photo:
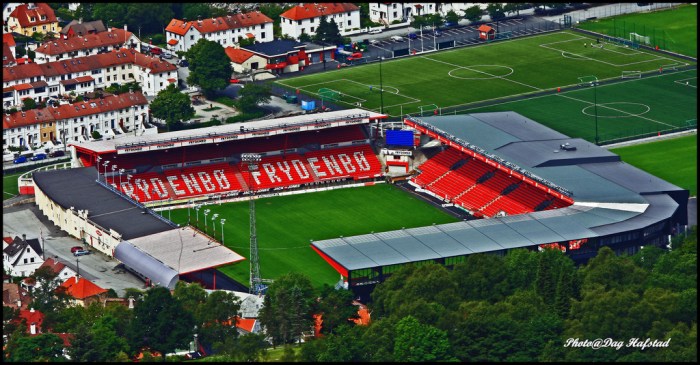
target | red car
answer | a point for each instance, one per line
(234, 81)
(75, 248)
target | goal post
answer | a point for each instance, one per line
(638, 38)
(430, 109)
(631, 74)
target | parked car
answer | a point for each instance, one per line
(156, 51)
(76, 248)
(20, 159)
(449, 24)
(57, 153)
(183, 63)
(81, 252)
(375, 31)
(373, 41)
(167, 55)
(38, 156)
(234, 81)
(397, 38)
(412, 35)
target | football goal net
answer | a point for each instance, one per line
(631, 74)
(638, 38)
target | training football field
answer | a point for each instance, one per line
(424, 82)
(287, 224)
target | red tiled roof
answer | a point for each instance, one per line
(246, 324)
(172, 42)
(250, 35)
(11, 293)
(8, 240)
(238, 55)
(9, 39)
(55, 265)
(114, 37)
(82, 288)
(306, 11)
(7, 57)
(67, 111)
(32, 317)
(484, 28)
(24, 15)
(178, 27)
(84, 79)
(222, 23)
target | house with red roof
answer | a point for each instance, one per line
(305, 18)
(83, 292)
(75, 122)
(34, 320)
(226, 30)
(88, 44)
(31, 18)
(8, 50)
(63, 272)
(14, 296)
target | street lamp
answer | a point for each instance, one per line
(121, 171)
(99, 158)
(105, 173)
(128, 178)
(214, 223)
(222, 231)
(381, 87)
(114, 168)
(196, 209)
(206, 212)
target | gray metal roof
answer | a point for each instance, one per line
(77, 188)
(611, 197)
(146, 265)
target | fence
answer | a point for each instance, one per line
(638, 133)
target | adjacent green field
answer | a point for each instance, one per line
(674, 160)
(636, 107)
(674, 29)
(10, 186)
(485, 72)
(286, 224)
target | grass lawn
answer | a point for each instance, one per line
(674, 160)
(286, 224)
(10, 186)
(465, 75)
(674, 30)
(632, 108)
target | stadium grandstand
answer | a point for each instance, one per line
(104, 199)
(535, 187)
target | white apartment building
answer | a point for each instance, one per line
(86, 45)
(226, 30)
(387, 13)
(305, 18)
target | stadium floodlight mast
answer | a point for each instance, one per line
(256, 285)
(213, 223)
(99, 158)
(223, 220)
(114, 168)
(121, 171)
(104, 175)
(196, 209)
(128, 178)
(206, 212)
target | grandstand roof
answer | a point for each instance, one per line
(77, 188)
(240, 130)
(610, 197)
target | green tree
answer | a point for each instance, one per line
(251, 347)
(28, 104)
(435, 20)
(495, 11)
(96, 135)
(193, 11)
(172, 106)
(305, 37)
(40, 348)
(273, 11)
(481, 276)
(452, 17)
(210, 68)
(288, 308)
(510, 8)
(48, 296)
(336, 307)
(160, 322)
(251, 96)
(217, 309)
(416, 342)
(473, 13)
(418, 22)
(99, 342)
(192, 296)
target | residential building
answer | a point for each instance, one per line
(226, 30)
(78, 28)
(109, 115)
(15, 296)
(63, 272)
(305, 18)
(85, 45)
(83, 292)
(389, 13)
(22, 256)
(279, 56)
(34, 320)
(84, 74)
(9, 54)
(31, 18)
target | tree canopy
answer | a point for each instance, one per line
(288, 306)
(251, 96)
(210, 68)
(172, 106)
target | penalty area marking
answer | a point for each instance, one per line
(487, 76)
(606, 106)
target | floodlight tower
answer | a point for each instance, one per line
(256, 286)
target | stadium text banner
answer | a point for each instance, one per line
(396, 152)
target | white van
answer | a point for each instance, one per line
(397, 38)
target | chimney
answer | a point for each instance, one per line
(19, 303)
(131, 302)
(31, 310)
(24, 237)
(80, 21)
(131, 90)
(125, 29)
(32, 329)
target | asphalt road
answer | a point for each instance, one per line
(96, 267)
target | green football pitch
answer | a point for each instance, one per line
(419, 83)
(674, 160)
(287, 224)
(675, 29)
(10, 186)
(628, 109)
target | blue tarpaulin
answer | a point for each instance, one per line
(308, 105)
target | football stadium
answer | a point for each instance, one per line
(500, 181)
